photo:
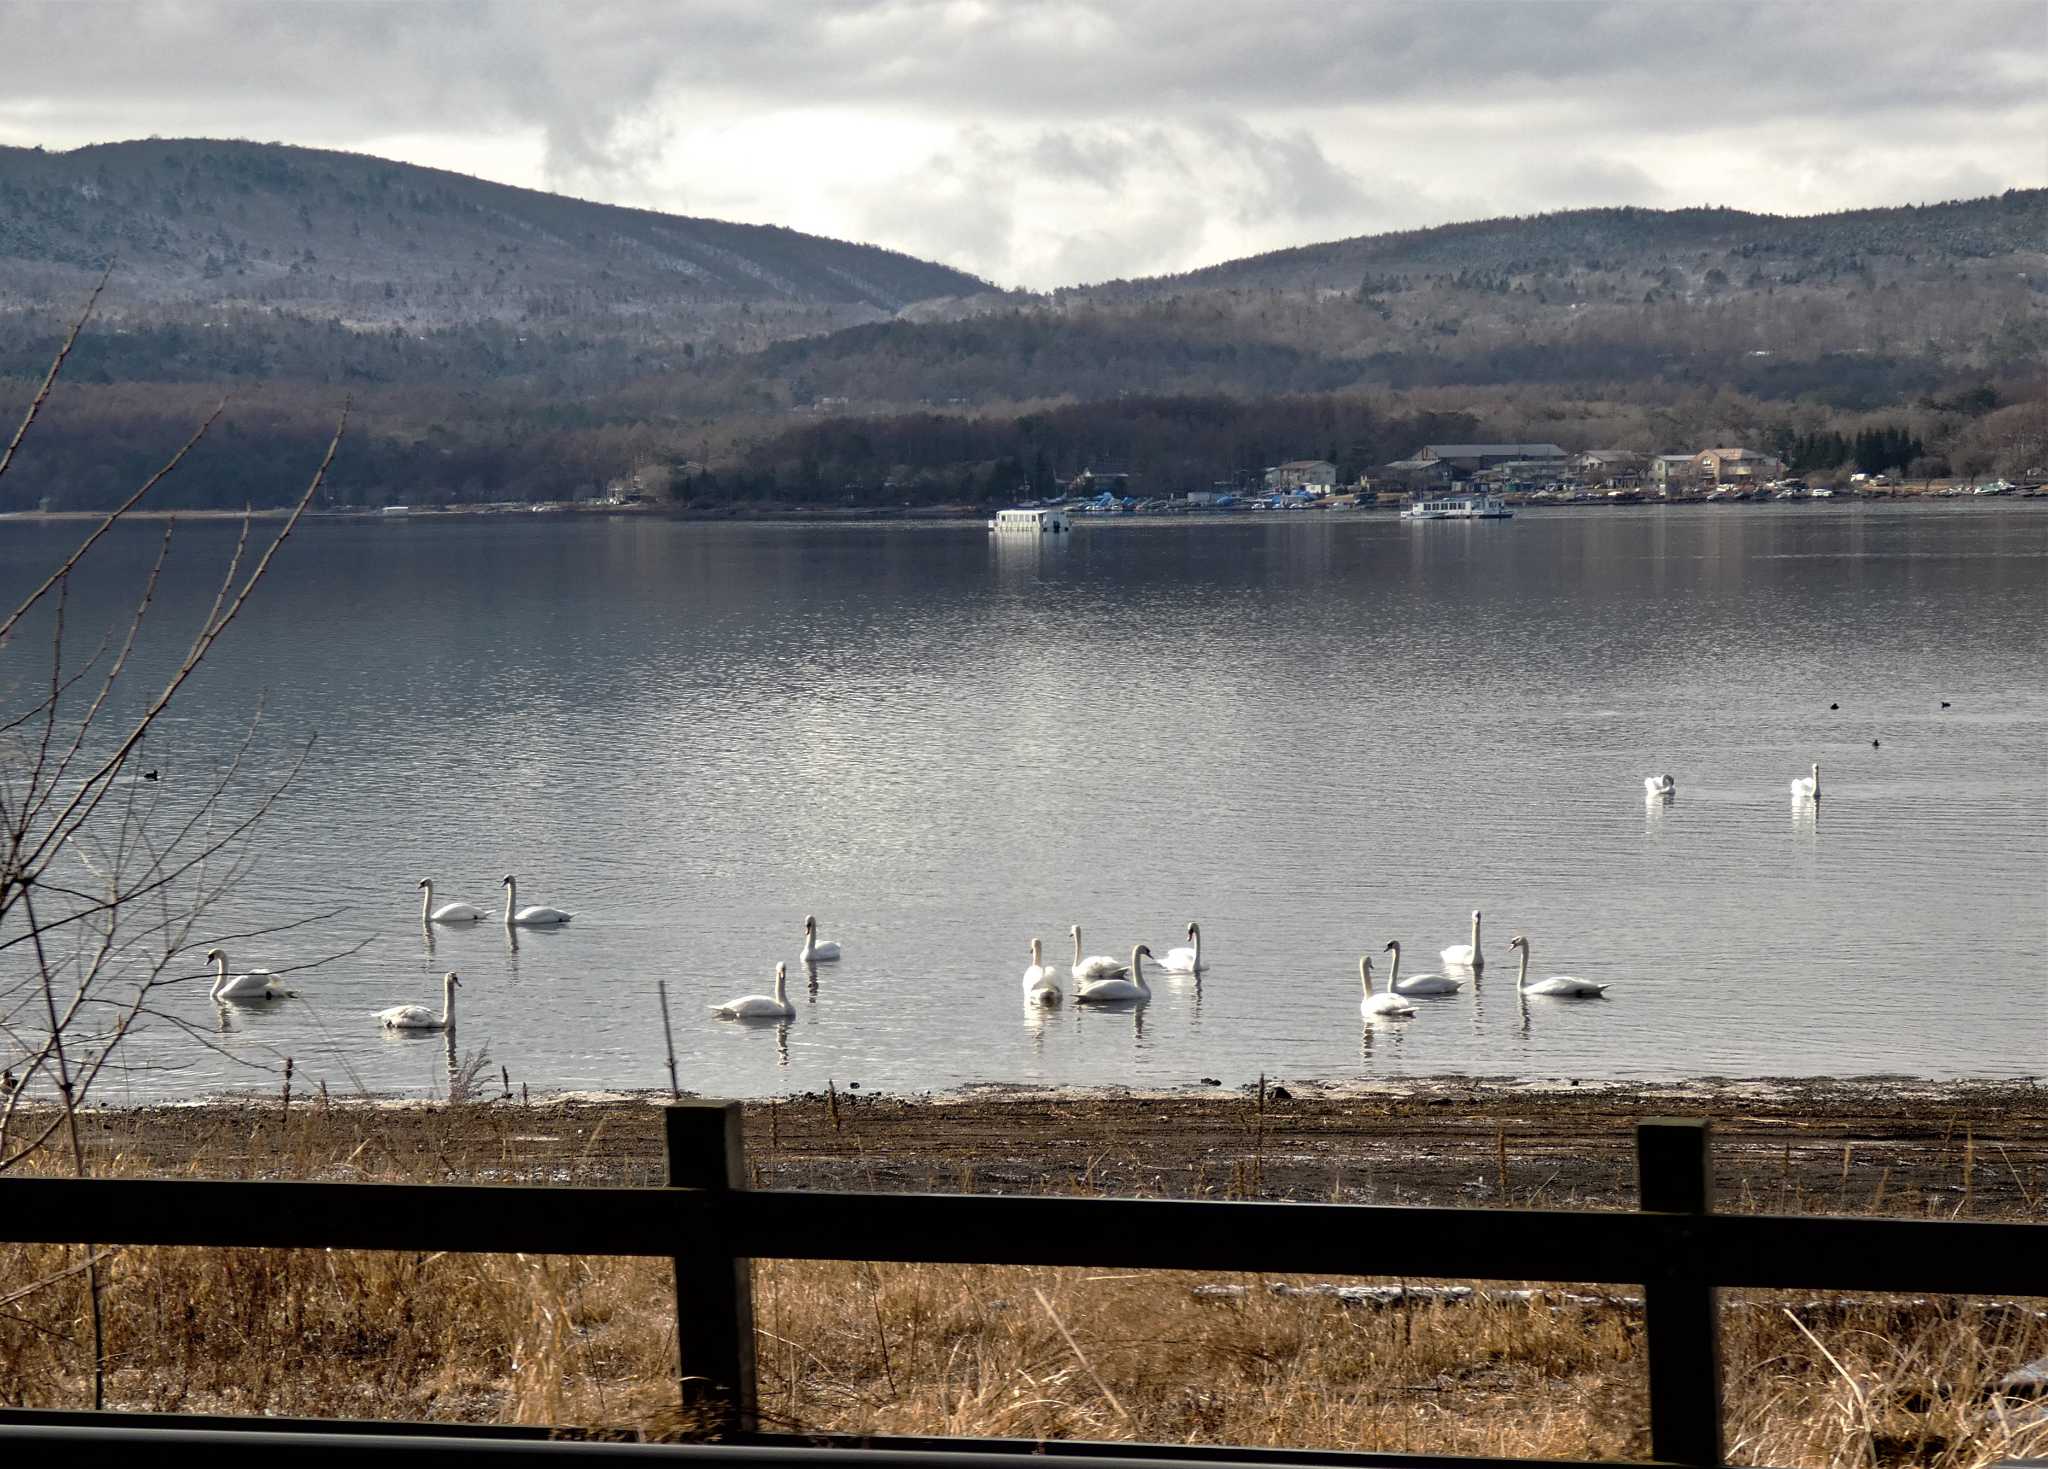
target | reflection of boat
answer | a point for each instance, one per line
(1459, 507)
(1031, 522)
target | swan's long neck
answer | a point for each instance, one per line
(1365, 976)
(1037, 954)
(1138, 969)
(1522, 977)
(1077, 946)
(220, 976)
(1195, 933)
(448, 1001)
(781, 986)
(1475, 935)
(1816, 780)
(1394, 973)
(426, 900)
(511, 899)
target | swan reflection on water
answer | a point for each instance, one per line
(1380, 1032)
(1084, 1015)
(778, 1025)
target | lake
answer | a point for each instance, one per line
(1313, 733)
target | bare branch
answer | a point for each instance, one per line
(50, 378)
(112, 518)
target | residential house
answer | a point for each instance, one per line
(1302, 474)
(1417, 473)
(1608, 466)
(1673, 471)
(1735, 466)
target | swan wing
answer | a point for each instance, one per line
(1099, 966)
(1569, 986)
(1459, 955)
(538, 915)
(408, 1017)
(458, 913)
(1178, 961)
(1109, 989)
(753, 1005)
(1428, 984)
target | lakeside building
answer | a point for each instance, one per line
(1735, 466)
(1673, 471)
(1436, 465)
(1096, 481)
(1302, 474)
(1609, 466)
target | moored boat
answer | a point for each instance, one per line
(1459, 507)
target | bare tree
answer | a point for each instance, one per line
(106, 873)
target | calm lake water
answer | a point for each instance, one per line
(1312, 733)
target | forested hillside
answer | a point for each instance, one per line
(501, 343)
(227, 236)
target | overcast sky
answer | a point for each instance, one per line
(1051, 143)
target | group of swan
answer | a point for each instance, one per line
(777, 1006)
(1663, 787)
(419, 1017)
(1100, 979)
(535, 916)
(1394, 999)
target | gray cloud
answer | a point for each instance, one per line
(1289, 115)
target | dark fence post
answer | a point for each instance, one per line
(1681, 1320)
(714, 1284)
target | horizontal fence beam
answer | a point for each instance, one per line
(132, 1446)
(1593, 1247)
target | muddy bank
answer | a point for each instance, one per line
(1897, 1146)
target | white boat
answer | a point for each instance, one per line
(1459, 507)
(1030, 522)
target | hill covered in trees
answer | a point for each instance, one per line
(245, 238)
(501, 343)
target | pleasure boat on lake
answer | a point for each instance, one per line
(1031, 522)
(1459, 507)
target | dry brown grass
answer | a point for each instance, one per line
(935, 1349)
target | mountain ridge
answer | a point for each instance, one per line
(203, 222)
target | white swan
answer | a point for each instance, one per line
(761, 1007)
(1041, 980)
(1101, 966)
(1101, 991)
(1188, 958)
(447, 912)
(813, 951)
(1659, 787)
(419, 1017)
(1419, 984)
(1807, 787)
(257, 984)
(1385, 1003)
(1466, 956)
(534, 917)
(1564, 986)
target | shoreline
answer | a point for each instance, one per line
(947, 514)
(1858, 1145)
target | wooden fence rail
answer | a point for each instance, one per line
(1676, 1248)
